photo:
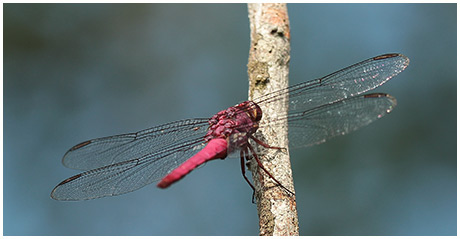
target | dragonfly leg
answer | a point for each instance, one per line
(243, 155)
(265, 145)
(266, 171)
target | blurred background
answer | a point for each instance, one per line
(74, 72)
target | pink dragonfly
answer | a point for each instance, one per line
(318, 109)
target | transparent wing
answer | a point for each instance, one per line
(130, 174)
(350, 81)
(105, 151)
(316, 125)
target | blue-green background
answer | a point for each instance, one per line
(76, 72)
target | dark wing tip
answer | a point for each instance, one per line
(390, 98)
(80, 145)
(376, 95)
(76, 147)
(392, 55)
(53, 193)
(385, 56)
(69, 179)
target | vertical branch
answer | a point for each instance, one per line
(268, 70)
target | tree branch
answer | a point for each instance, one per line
(268, 70)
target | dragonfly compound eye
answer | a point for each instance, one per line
(254, 111)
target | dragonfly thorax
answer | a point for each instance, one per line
(239, 122)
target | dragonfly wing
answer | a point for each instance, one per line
(126, 176)
(105, 151)
(348, 82)
(316, 125)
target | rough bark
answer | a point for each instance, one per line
(268, 70)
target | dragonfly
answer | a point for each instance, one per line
(319, 109)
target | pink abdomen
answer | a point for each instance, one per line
(215, 149)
